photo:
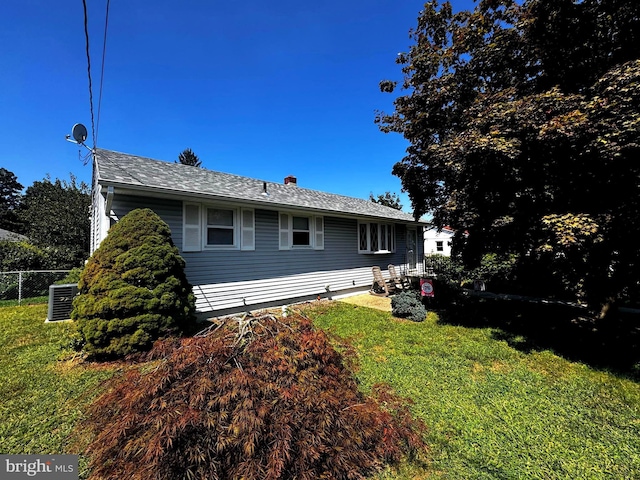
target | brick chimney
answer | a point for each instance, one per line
(291, 180)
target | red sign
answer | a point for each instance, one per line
(426, 287)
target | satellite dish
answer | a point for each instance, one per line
(79, 133)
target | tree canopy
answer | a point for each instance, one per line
(523, 122)
(187, 157)
(387, 199)
(56, 215)
(10, 194)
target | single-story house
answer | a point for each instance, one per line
(251, 243)
(438, 241)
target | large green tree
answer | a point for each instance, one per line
(523, 122)
(10, 194)
(56, 217)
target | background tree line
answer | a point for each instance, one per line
(53, 215)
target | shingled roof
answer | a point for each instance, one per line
(140, 173)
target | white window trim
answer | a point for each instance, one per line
(285, 232)
(382, 229)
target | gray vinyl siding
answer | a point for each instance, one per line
(169, 210)
(267, 261)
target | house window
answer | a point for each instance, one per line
(376, 237)
(363, 238)
(298, 231)
(439, 246)
(220, 227)
(214, 227)
(301, 233)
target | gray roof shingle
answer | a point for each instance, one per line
(121, 169)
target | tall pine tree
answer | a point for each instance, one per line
(187, 157)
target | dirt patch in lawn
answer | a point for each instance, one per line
(368, 300)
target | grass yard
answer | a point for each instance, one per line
(495, 412)
(41, 395)
(25, 301)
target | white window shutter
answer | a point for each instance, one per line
(285, 242)
(191, 229)
(319, 233)
(248, 232)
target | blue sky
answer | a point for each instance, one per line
(262, 89)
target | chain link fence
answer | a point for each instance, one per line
(26, 285)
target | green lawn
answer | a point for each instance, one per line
(42, 394)
(25, 301)
(492, 411)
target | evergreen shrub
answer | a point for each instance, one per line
(408, 305)
(133, 290)
(261, 399)
(72, 277)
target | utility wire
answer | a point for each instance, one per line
(86, 36)
(104, 51)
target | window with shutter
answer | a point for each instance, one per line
(217, 227)
(298, 231)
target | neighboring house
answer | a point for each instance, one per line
(438, 242)
(250, 243)
(11, 236)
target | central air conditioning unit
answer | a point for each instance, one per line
(60, 300)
